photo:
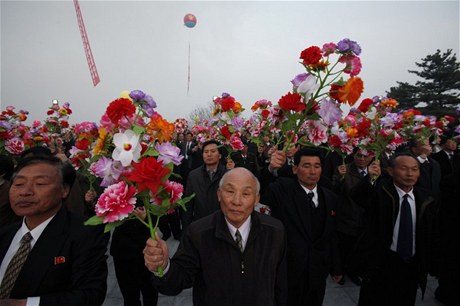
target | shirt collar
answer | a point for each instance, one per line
(314, 190)
(243, 229)
(401, 193)
(421, 159)
(37, 231)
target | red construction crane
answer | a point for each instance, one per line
(84, 37)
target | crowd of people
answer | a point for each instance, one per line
(266, 226)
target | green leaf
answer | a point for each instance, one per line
(112, 225)
(94, 220)
(138, 130)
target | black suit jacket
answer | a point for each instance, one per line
(447, 166)
(80, 280)
(310, 260)
(209, 259)
(430, 177)
(381, 204)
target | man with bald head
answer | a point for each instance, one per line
(395, 252)
(235, 256)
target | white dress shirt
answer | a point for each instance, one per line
(411, 200)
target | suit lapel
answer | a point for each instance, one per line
(42, 255)
(7, 237)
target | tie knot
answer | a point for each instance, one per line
(310, 195)
(363, 173)
(26, 238)
(211, 174)
(239, 240)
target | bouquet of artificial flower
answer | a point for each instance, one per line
(322, 82)
(135, 159)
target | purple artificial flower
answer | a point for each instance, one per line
(5, 124)
(225, 95)
(389, 120)
(149, 105)
(237, 122)
(169, 153)
(108, 170)
(299, 79)
(347, 45)
(137, 95)
(329, 111)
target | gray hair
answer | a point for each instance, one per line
(221, 182)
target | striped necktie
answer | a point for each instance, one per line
(15, 266)
(239, 240)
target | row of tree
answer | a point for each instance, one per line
(438, 91)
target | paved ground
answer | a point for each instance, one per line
(336, 295)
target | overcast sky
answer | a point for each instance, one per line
(249, 49)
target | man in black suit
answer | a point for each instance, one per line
(246, 159)
(395, 251)
(448, 158)
(307, 211)
(430, 171)
(66, 264)
(449, 161)
(349, 214)
(204, 182)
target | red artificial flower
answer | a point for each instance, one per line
(120, 108)
(334, 92)
(226, 131)
(449, 118)
(227, 103)
(439, 124)
(365, 104)
(334, 141)
(64, 124)
(291, 101)
(50, 112)
(427, 122)
(311, 55)
(82, 144)
(265, 113)
(148, 174)
(364, 127)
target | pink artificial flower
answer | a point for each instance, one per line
(329, 48)
(236, 143)
(352, 64)
(14, 146)
(117, 202)
(317, 133)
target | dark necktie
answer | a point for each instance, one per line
(15, 266)
(405, 235)
(211, 174)
(239, 240)
(363, 173)
(310, 199)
